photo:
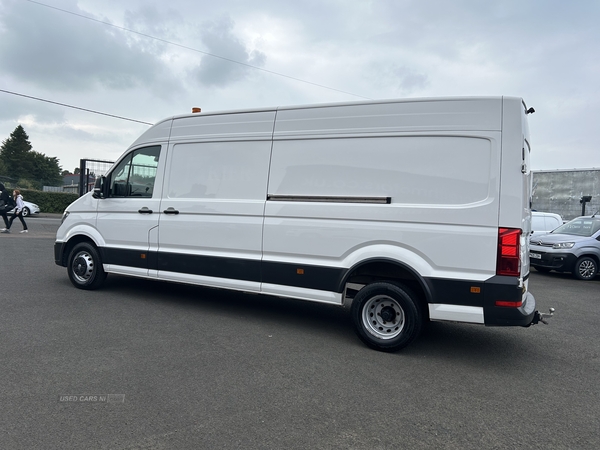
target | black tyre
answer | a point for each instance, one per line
(386, 316)
(85, 267)
(585, 268)
(542, 269)
(25, 211)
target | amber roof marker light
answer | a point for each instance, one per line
(195, 110)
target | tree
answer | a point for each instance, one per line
(21, 162)
(14, 153)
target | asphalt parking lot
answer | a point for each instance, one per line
(147, 365)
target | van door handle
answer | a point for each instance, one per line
(145, 210)
(171, 210)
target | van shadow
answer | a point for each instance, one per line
(331, 320)
(471, 344)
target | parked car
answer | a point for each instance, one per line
(573, 247)
(29, 209)
(543, 222)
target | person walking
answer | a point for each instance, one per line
(18, 212)
(5, 202)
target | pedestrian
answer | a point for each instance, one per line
(18, 212)
(5, 202)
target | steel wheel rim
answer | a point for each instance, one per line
(82, 267)
(587, 269)
(383, 317)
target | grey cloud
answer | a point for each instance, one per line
(63, 52)
(219, 39)
(14, 106)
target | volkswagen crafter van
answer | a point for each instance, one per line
(420, 207)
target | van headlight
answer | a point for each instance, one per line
(563, 245)
(65, 215)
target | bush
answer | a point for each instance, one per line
(49, 202)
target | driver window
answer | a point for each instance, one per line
(135, 174)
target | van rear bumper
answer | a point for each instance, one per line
(483, 296)
(506, 289)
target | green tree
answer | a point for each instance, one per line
(14, 153)
(20, 161)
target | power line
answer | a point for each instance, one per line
(196, 50)
(74, 107)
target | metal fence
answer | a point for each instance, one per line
(89, 169)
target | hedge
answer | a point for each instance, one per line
(49, 202)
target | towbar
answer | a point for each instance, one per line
(541, 317)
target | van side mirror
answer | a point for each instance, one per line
(99, 187)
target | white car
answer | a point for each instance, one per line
(29, 209)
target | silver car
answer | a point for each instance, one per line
(573, 247)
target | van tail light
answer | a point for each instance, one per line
(509, 304)
(509, 252)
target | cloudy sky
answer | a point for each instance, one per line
(146, 60)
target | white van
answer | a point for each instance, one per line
(543, 222)
(422, 205)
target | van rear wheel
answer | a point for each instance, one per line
(85, 267)
(386, 316)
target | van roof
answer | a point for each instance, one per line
(340, 104)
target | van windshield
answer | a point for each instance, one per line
(583, 226)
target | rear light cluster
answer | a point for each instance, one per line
(509, 259)
(509, 252)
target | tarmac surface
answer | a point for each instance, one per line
(150, 365)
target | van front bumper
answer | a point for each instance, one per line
(59, 251)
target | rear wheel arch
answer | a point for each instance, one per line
(395, 272)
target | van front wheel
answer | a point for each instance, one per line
(386, 316)
(85, 267)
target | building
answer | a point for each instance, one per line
(560, 191)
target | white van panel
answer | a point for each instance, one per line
(254, 125)
(157, 134)
(218, 190)
(391, 117)
(398, 167)
(221, 171)
(432, 250)
(442, 215)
